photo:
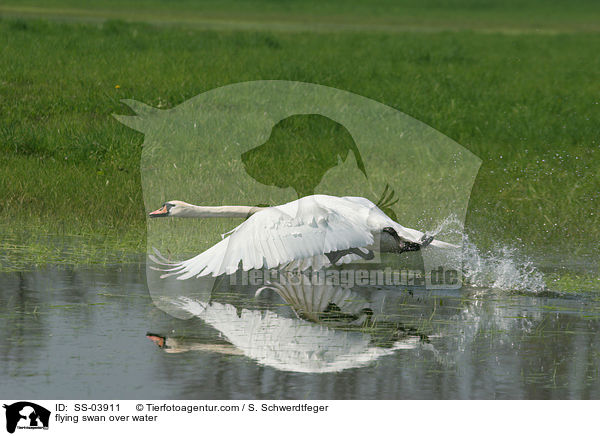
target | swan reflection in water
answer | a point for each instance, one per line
(325, 328)
(330, 329)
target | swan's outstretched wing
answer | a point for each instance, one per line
(300, 232)
(312, 302)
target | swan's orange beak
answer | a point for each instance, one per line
(163, 211)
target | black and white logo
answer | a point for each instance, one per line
(26, 415)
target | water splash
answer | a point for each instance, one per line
(501, 268)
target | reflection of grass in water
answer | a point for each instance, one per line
(520, 102)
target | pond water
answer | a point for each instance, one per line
(94, 332)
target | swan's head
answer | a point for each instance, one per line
(171, 208)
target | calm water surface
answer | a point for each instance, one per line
(82, 333)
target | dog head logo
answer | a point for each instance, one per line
(26, 415)
(248, 143)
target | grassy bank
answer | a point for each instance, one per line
(511, 16)
(527, 104)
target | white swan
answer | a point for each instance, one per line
(283, 343)
(314, 231)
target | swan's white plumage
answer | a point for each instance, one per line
(310, 301)
(297, 234)
(291, 344)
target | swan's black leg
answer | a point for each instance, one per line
(334, 256)
(394, 234)
(366, 256)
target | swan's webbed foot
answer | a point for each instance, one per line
(426, 240)
(404, 245)
(409, 246)
(416, 246)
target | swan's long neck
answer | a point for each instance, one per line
(193, 211)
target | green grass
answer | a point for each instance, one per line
(527, 104)
(570, 283)
(337, 15)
